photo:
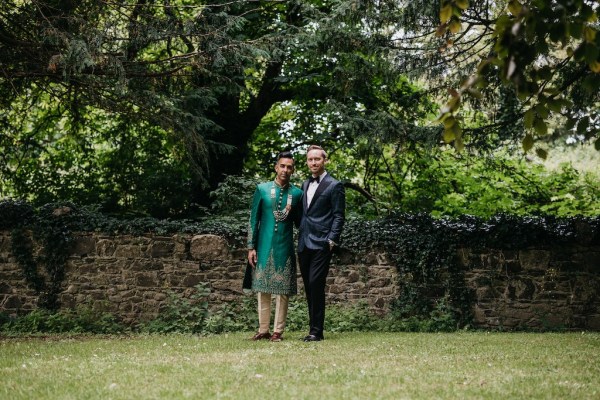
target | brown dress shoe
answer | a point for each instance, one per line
(277, 337)
(261, 336)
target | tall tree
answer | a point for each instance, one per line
(207, 74)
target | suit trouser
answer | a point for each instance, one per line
(264, 312)
(314, 267)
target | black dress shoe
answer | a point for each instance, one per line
(313, 338)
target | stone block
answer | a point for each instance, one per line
(84, 246)
(484, 293)
(353, 276)
(105, 248)
(520, 289)
(146, 280)
(379, 302)
(192, 280)
(534, 259)
(128, 251)
(378, 282)
(593, 322)
(336, 289)
(239, 254)
(162, 249)
(209, 248)
(5, 288)
(233, 286)
(12, 303)
(387, 291)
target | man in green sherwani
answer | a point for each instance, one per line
(276, 206)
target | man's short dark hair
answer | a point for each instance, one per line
(285, 154)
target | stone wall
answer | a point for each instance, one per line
(552, 287)
(132, 276)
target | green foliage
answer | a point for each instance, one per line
(443, 184)
(186, 315)
(233, 196)
(72, 218)
(100, 159)
(548, 51)
(84, 319)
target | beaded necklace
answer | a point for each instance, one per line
(280, 214)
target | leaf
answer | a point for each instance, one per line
(576, 30)
(462, 4)
(528, 118)
(597, 144)
(591, 53)
(583, 125)
(557, 32)
(514, 7)
(541, 153)
(448, 122)
(456, 129)
(595, 67)
(589, 34)
(459, 145)
(554, 105)
(446, 13)
(541, 110)
(448, 135)
(544, 73)
(591, 84)
(587, 13)
(439, 32)
(527, 143)
(453, 103)
(540, 126)
(455, 26)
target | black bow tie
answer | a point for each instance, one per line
(312, 179)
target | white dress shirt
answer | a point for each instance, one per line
(312, 188)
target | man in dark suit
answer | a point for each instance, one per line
(323, 215)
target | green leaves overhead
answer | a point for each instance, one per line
(546, 50)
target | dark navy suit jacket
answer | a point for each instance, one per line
(324, 219)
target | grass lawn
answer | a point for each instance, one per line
(344, 366)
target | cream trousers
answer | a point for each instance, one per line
(264, 312)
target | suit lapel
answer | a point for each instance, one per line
(320, 189)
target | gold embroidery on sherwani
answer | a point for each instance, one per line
(275, 279)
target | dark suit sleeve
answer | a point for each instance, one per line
(338, 209)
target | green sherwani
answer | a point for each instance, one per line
(273, 240)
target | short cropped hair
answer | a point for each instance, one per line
(315, 147)
(285, 154)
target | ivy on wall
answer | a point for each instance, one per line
(423, 248)
(48, 229)
(425, 251)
